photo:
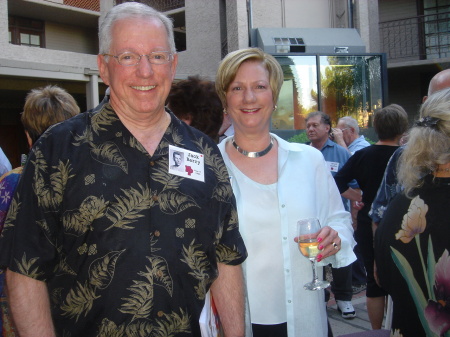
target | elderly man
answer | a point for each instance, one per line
(102, 239)
(346, 134)
(318, 128)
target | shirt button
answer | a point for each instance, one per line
(152, 163)
(289, 301)
(283, 205)
(155, 198)
(284, 238)
(157, 233)
(287, 270)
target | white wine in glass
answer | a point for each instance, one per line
(307, 232)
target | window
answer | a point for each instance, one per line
(26, 32)
(437, 27)
(350, 85)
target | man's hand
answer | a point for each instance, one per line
(338, 137)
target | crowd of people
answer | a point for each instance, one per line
(128, 218)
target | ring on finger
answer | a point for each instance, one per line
(335, 245)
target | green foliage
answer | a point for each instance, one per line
(299, 138)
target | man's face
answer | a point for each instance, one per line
(316, 130)
(142, 88)
(177, 159)
(346, 132)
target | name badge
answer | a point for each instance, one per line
(334, 166)
(187, 164)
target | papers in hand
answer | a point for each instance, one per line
(209, 319)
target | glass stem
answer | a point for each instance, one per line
(313, 264)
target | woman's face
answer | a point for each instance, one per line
(249, 97)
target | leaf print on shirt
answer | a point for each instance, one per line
(86, 137)
(79, 300)
(105, 117)
(12, 214)
(140, 303)
(77, 222)
(128, 207)
(50, 195)
(174, 202)
(168, 326)
(197, 260)
(101, 270)
(109, 153)
(227, 255)
(414, 221)
(25, 267)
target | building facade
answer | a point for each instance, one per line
(55, 42)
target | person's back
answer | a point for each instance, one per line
(412, 240)
(367, 167)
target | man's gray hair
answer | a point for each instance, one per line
(350, 122)
(129, 10)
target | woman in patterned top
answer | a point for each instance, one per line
(412, 241)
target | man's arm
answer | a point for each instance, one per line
(30, 305)
(228, 294)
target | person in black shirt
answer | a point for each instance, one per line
(367, 167)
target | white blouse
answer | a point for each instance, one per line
(264, 267)
(305, 189)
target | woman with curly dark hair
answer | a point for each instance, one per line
(196, 102)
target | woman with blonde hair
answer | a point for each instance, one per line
(277, 183)
(412, 241)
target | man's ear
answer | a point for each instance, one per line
(103, 69)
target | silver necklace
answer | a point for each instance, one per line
(253, 154)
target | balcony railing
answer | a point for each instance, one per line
(93, 5)
(160, 5)
(416, 38)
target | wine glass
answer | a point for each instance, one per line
(307, 232)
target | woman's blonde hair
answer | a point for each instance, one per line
(45, 107)
(429, 142)
(230, 66)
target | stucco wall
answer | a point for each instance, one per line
(69, 38)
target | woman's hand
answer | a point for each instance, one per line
(329, 242)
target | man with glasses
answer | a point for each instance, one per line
(102, 240)
(346, 134)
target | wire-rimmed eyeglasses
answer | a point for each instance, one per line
(132, 59)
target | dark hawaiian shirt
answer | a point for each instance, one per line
(126, 248)
(412, 245)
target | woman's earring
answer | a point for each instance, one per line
(275, 107)
(225, 111)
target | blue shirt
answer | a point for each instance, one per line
(358, 144)
(388, 189)
(336, 156)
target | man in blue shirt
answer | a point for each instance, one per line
(346, 134)
(318, 128)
